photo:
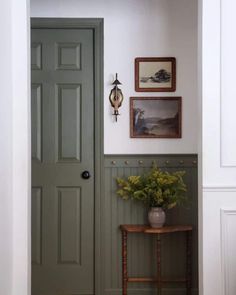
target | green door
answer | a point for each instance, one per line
(62, 108)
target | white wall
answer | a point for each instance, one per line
(21, 148)
(15, 149)
(218, 147)
(137, 28)
(6, 151)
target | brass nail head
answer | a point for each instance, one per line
(113, 162)
(126, 162)
(140, 162)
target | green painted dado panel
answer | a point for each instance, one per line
(141, 248)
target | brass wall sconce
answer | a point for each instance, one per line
(116, 97)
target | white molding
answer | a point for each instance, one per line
(228, 211)
(219, 188)
(224, 247)
(221, 94)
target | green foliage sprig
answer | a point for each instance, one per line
(155, 189)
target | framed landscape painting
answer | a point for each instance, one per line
(155, 74)
(155, 117)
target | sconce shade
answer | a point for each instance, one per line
(116, 98)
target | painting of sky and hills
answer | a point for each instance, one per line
(156, 117)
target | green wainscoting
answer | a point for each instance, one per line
(141, 255)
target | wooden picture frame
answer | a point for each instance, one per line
(155, 74)
(155, 117)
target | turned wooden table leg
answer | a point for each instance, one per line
(124, 263)
(189, 262)
(159, 264)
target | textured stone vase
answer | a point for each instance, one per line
(156, 217)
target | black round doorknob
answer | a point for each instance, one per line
(85, 174)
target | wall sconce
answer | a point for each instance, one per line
(116, 97)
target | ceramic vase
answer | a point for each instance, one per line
(156, 217)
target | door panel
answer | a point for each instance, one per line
(36, 123)
(69, 127)
(62, 147)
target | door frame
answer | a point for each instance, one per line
(96, 24)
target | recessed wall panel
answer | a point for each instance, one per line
(36, 213)
(69, 225)
(228, 244)
(36, 56)
(36, 121)
(69, 125)
(68, 56)
(228, 82)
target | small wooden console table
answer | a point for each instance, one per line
(126, 228)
